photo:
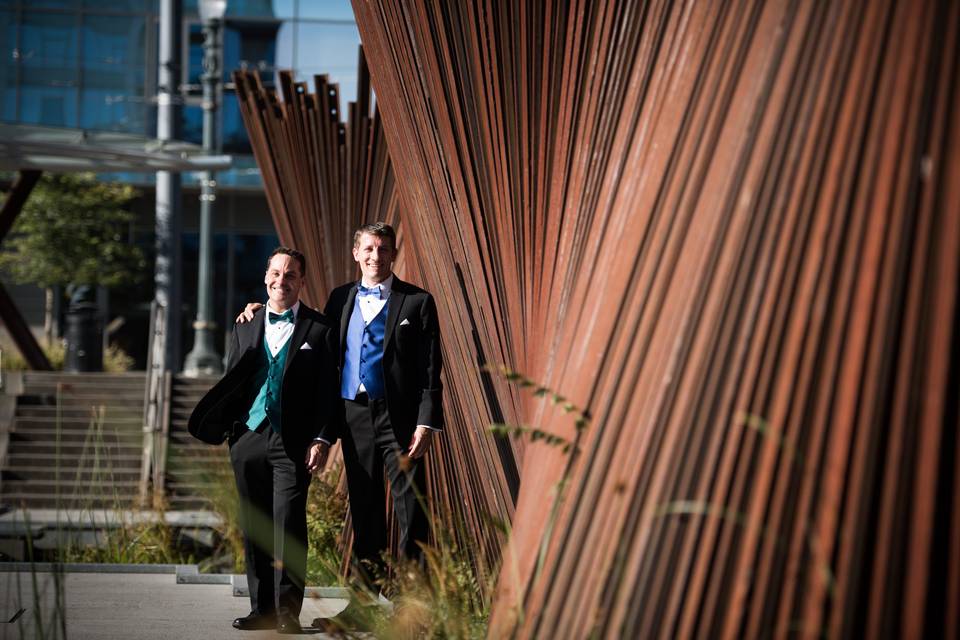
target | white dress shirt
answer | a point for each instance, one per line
(371, 306)
(277, 333)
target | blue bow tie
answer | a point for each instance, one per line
(286, 316)
(368, 291)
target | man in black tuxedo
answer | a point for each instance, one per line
(278, 405)
(390, 382)
(389, 356)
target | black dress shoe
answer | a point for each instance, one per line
(288, 624)
(255, 621)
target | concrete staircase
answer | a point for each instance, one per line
(75, 441)
(197, 473)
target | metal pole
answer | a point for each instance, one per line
(167, 272)
(203, 358)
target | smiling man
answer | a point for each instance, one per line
(279, 407)
(390, 383)
(389, 356)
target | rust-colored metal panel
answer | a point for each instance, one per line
(730, 231)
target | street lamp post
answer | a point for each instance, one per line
(203, 358)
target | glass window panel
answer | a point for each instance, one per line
(248, 279)
(113, 73)
(48, 40)
(250, 45)
(234, 134)
(260, 9)
(118, 5)
(48, 105)
(48, 76)
(321, 49)
(325, 9)
(8, 104)
(105, 109)
(192, 130)
(113, 41)
(8, 66)
(283, 8)
(54, 4)
(284, 45)
(195, 55)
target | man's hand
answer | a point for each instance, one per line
(247, 314)
(317, 456)
(422, 438)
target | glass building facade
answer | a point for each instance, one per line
(92, 64)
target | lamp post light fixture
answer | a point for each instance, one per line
(203, 358)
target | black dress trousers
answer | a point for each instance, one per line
(273, 516)
(370, 447)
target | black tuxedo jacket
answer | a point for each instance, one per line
(310, 401)
(411, 354)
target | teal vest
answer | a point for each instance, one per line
(269, 381)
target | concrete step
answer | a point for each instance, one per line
(26, 424)
(192, 467)
(83, 391)
(92, 487)
(79, 401)
(26, 472)
(49, 378)
(70, 500)
(67, 456)
(52, 411)
(43, 431)
(97, 392)
(101, 441)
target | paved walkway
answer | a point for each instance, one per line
(128, 605)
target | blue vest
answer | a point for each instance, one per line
(363, 360)
(269, 381)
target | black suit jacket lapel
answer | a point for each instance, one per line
(300, 329)
(394, 304)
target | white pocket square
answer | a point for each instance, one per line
(404, 323)
(305, 345)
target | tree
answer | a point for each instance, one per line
(73, 230)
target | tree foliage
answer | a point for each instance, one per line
(74, 230)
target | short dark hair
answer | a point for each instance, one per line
(379, 229)
(293, 253)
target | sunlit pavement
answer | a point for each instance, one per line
(104, 604)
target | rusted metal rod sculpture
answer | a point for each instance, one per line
(731, 232)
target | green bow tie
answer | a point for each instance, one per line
(286, 316)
